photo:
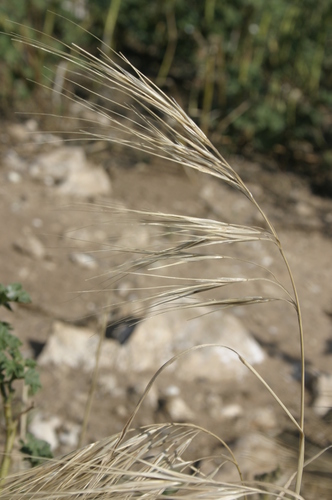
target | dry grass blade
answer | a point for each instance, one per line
(189, 240)
(185, 243)
(154, 455)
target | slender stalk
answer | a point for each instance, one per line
(171, 43)
(209, 11)
(94, 380)
(110, 23)
(24, 414)
(302, 354)
(11, 428)
(209, 75)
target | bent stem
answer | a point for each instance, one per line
(126, 427)
(300, 464)
(94, 380)
(296, 303)
(233, 460)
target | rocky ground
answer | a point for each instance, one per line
(62, 251)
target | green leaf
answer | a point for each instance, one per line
(5, 327)
(14, 369)
(8, 341)
(13, 293)
(13, 366)
(37, 449)
(32, 380)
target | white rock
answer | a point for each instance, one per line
(304, 209)
(160, 337)
(151, 399)
(13, 161)
(19, 132)
(149, 347)
(57, 164)
(179, 410)
(256, 454)
(46, 429)
(172, 390)
(323, 391)
(84, 260)
(216, 363)
(263, 418)
(30, 245)
(232, 411)
(50, 139)
(14, 177)
(124, 289)
(155, 341)
(81, 110)
(69, 169)
(213, 403)
(31, 125)
(70, 346)
(86, 182)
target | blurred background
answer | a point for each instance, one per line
(255, 75)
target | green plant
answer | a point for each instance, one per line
(110, 22)
(13, 367)
(36, 450)
(19, 17)
(268, 60)
(154, 123)
(273, 55)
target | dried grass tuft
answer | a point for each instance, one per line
(151, 464)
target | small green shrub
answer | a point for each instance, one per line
(22, 18)
(256, 73)
(14, 367)
(35, 449)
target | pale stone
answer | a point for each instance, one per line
(70, 346)
(68, 169)
(323, 394)
(84, 260)
(86, 182)
(46, 429)
(29, 244)
(179, 410)
(157, 339)
(231, 411)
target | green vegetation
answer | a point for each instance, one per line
(257, 74)
(17, 80)
(14, 367)
(36, 450)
